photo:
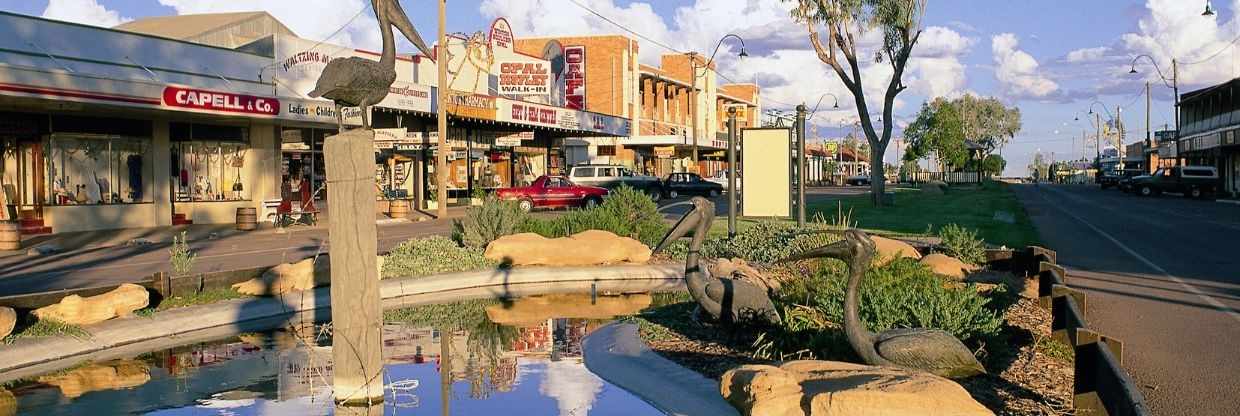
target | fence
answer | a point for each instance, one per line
(1100, 384)
(948, 177)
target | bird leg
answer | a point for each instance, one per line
(363, 106)
(339, 118)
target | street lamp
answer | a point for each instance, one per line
(1172, 83)
(1208, 11)
(693, 70)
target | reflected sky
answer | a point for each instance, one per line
(532, 369)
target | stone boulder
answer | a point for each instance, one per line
(820, 388)
(934, 188)
(587, 248)
(538, 309)
(8, 403)
(115, 375)
(76, 310)
(947, 266)
(8, 320)
(738, 269)
(288, 277)
(889, 250)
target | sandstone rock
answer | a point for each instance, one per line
(947, 265)
(934, 187)
(8, 403)
(538, 309)
(76, 310)
(8, 320)
(588, 248)
(738, 269)
(1027, 287)
(843, 389)
(890, 250)
(115, 375)
(303, 275)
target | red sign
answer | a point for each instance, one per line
(220, 101)
(575, 77)
(538, 115)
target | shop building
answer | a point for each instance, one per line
(1209, 126)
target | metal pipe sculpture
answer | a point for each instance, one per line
(725, 300)
(360, 82)
(931, 350)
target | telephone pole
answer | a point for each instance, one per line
(441, 154)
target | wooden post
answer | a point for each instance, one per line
(441, 155)
(357, 314)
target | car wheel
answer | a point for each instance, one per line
(656, 194)
(1195, 193)
(712, 193)
(593, 202)
(673, 194)
(526, 205)
(1147, 191)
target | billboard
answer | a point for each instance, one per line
(575, 77)
(767, 191)
(524, 78)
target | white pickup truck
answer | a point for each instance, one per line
(612, 176)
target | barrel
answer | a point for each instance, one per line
(398, 208)
(10, 236)
(247, 219)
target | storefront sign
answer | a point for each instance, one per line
(391, 135)
(318, 111)
(524, 78)
(501, 34)
(521, 112)
(466, 104)
(575, 77)
(665, 152)
(197, 99)
(514, 139)
(408, 97)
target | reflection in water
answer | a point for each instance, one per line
(477, 365)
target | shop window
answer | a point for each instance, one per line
(208, 162)
(92, 169)
(607, 150)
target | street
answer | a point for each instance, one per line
(1161, 276)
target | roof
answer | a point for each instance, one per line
(191, 25)
(1197, 94)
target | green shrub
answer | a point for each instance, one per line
(483, 224)
(431, 255)
(769, 241)
(962, 243)
(180, 256)
(625, 212)
(903, 294)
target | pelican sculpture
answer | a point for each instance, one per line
(725, 300)
(930, 350)
(360, 82)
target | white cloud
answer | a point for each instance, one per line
(83, 11)
(1017, 71)
(1088, 54)
(1176, 29)
(308, 18)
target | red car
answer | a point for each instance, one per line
(553, 192)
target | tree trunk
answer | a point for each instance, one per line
(878, 174)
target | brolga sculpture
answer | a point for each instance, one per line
(725, 300)
(360, 82)
(930, 350)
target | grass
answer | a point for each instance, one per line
(1055, 349)
(46, 328)
(200, 298)
(915, 213)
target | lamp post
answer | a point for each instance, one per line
(1098, 138)
(801, 111)
(693, 107)
(1172, 82)
(731, 172)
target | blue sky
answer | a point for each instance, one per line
(1051, 58)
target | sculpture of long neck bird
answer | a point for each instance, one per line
(360, 82)
(931, 350)
(725, 300)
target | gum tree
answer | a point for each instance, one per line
(845, 22)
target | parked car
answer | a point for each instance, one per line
(858, 180)
(612, 176)
(721, 178)
(553, 192)
(1112, 179)
(1192, 181)
(678, 184)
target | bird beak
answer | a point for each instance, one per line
(837, 250)
(682, 228)
(396, 16)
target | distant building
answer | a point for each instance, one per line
(225, 30)
(1209, 126)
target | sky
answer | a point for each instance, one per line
(1053, 59)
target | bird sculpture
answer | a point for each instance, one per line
(930, 350)
(361, 82)
(724, 300)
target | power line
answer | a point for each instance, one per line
(1216, 54)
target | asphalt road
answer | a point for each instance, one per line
(1163, 276)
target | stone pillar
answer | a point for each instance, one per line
(357, 313)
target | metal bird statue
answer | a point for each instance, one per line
(360, 82)
(930, 350)
(725, 300)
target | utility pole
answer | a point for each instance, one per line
(731, 172)
(801, 111)
(693, 107)
(1098, 146)
(1119, 140)
(441, 155)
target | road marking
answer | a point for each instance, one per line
(1213, 302)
